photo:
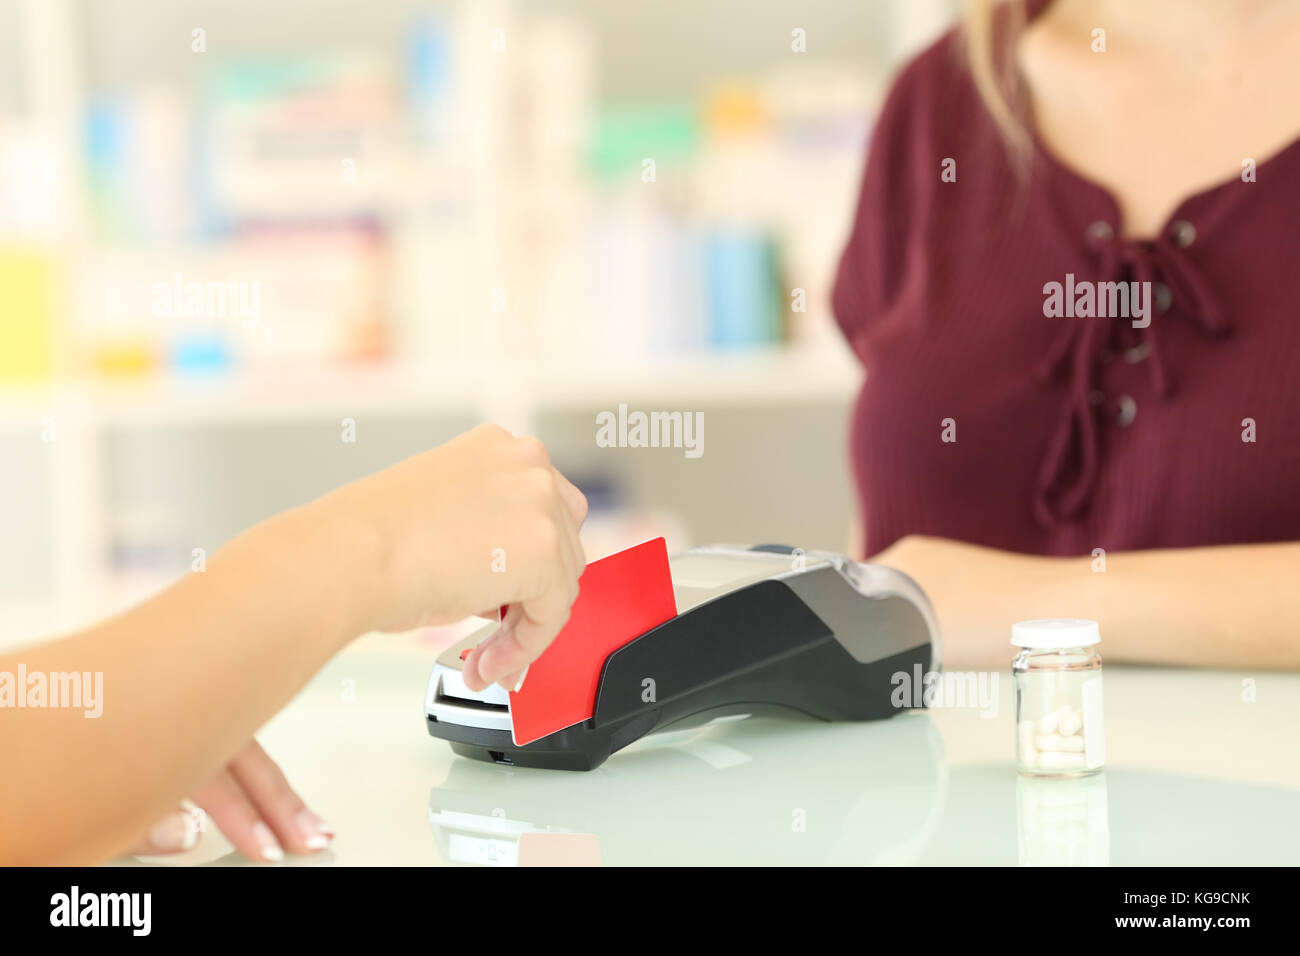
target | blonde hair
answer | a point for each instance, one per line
(990, 32)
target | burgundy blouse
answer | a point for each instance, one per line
(1070, 433)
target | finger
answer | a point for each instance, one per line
(505, 656)
(174, 833)
(570, 550)
(568, 544)
(574, 499)
(531, 624)
(515, 648)
(470, 670)
(514, 681)
(229, 807)
(575, 504)
(298, 829)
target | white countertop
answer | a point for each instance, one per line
(1195, 775)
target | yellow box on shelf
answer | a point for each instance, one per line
(26, 314)
(123, 360)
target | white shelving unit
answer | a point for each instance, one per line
(516, 393)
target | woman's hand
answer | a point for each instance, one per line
(1152, 606)
(480, 522)
(978, 593)
(252, 803)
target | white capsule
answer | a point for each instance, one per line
(1049, 722)
(1070, 723)
(1055, 760)
(1059, 743)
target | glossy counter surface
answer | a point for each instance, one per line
(1198, 772)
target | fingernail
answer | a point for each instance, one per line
(313, 830)
(267, 844)
(520, 684)
(174, 832)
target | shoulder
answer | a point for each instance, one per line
(931, 98)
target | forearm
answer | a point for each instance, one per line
(188, 677)
(1226, 606)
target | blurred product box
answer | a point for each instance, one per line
(26, 315)
(287, 294)
(295, 139)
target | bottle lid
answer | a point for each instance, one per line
(1056, 632)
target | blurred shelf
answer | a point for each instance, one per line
(271, 396)
(766, 377)
(288, 396)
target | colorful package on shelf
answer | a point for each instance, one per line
(428, 80)
(139, 156)
(627, 135)
(121, 319)
(296, 139)
(26, 315)
(744, 301)
(320, 292)
(266, 296)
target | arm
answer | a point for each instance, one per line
(1223, 606)
(190, 675)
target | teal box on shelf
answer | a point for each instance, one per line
(741, 281)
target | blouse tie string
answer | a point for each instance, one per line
(1162, 270)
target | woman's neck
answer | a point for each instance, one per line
(1173, 19)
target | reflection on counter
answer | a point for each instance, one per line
(749, 791)
(1063, 822)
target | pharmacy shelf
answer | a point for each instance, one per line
(776, 376)
(72, 419)
(401, 390)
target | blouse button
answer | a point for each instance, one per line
(1100, 231)
(1137, 353)
(1164, 298)
(1127, 411)
(1184, 233)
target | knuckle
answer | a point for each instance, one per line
(582, 506)
(532, 450)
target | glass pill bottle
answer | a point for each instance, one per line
(1059, 726)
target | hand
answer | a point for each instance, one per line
(480, 522)
(979, 592)
(253, 805)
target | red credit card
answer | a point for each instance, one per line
(619, 598)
